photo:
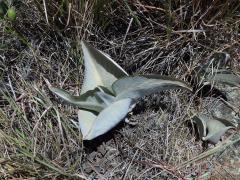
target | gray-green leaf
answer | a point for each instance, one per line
(86, 120)
(88, 100)
(215, 131)
(224, 78)
(211, 129)
(138, 86)
(106, 98)
(100, 70)
(93, 126)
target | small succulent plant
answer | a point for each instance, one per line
(108, 93)
(217, 74)
(212, 128)
(217, 70)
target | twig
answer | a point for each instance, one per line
(128, 28)
(150, 7)
(130, 165)
(220, 147)
(164, 168)
(69, 14)
(11, 87)
(45, 11)
(160, 165)
(96, 171)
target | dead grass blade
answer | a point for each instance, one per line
(219, 148)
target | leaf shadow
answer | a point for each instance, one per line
(194, 131)
(92, 145)
(154, 102)
(209, 91)
(150, 102)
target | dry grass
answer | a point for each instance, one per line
(38, 139)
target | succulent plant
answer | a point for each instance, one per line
(218, 75)
(109, 93)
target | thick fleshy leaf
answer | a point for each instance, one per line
(100, 70)
(201, 126)
(224, 78)
(216, 70)
(226, 122)
(107, 119)
(215, 131)
(217, 61)
(138, 86)
(89, 100)
(211, 129)
(86, 120)
(106, 98)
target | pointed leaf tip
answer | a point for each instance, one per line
(85, 101)
(138, 86)
(100, 70)
(108, 118)
(85, 121)
(216, 129)
(212, 129)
